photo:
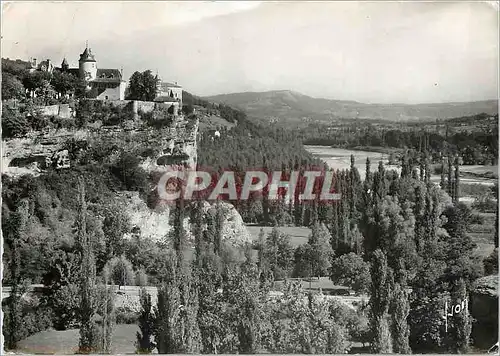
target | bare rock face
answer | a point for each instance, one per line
(149, 224)
(234, 229)
(484, 309)
(155, 223)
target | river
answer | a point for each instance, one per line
(340, 158)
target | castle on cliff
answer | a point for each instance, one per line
(107, 84)
(103, 83)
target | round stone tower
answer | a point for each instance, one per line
(87, 65)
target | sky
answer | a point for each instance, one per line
(384, 52)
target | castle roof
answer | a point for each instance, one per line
(165, 85)
(108, 75)
(87, 56)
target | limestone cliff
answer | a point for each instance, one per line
(155, 224)
(170, 145)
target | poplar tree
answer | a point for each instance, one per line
(461, 326)
(210, 319)
(457, 181)
(88, 304)
(13, 227)
(418, 211)
(354, 183)
(146, 323)
(219, 224)
(443, 175)
(199, 242)
(450, 184)
(320, 249)
(261, 244)
(168, 312)
(379, 304)
(427, 176)
(400, 310)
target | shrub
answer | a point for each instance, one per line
(146, 323)
(476, 219)
(32, 319)
(125, 315)
(120, 271)
(350, 270)
(65, 303)
(485, 205)
(127, 170)
(491, 263)
(14, 123)
(141, 278)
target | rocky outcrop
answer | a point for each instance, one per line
(234, 230)
(155, 223)
(35, 152)
(484, 310)
(176, 145)
(147, 223)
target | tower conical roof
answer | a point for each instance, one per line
(87, 56)
(64, 62)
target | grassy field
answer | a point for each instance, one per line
(66, 342)
(298, 234)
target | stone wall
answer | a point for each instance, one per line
(61, 110)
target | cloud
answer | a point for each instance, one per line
(26, 25)
(363, 51)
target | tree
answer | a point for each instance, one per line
(302, 323)
(320, 250)
(457, 181)
(88, 330)
(129, 172)
(210, 317)
(400, 309)
(119, 270)
(143, 86)
(14, 123)
(12, 88)
(461, 263)
(279, 253)
(176, 329)
(106, 308)
(352, 271)
(302, 261)
(63, 83)
(461, 325)
(241, 292)
(443, 175)
(379, 303)
(115, 225)
(36, 80)
(146, 323)
(168, 312)
(13, 227)
(261, 245)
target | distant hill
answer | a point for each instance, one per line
(293, 107)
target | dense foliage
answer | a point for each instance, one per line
(399, 239)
